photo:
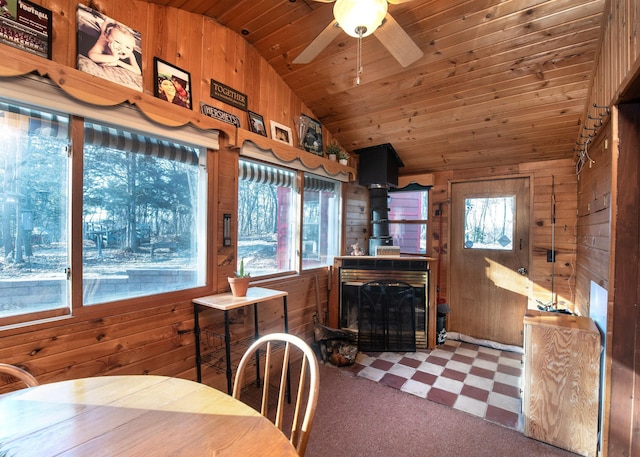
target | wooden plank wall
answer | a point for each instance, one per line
(357, 216)
(155, 335)
(594, 220)
(616, 70)
(618, 60)
(558, 177)
(543, 175)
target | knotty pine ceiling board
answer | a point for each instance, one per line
(500, 82)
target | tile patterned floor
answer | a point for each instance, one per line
(479, 380)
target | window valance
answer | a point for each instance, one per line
(110, 137)
(264, 174)
(39, 121)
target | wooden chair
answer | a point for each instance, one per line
(20, 374)
(299, 429)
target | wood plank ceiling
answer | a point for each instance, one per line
(500, 82)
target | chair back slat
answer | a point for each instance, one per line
(307, 388)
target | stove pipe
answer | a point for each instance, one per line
(378, 169)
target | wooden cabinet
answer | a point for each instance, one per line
(561, 377)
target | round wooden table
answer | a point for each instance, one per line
(131, 416)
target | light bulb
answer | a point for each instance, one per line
(360, 16)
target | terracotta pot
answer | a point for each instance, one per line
(239, 286)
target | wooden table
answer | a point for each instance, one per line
(134, 415)
(226, 302)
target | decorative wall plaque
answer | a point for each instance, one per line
(219, 114)
(228, 95)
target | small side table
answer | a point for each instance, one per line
(225, 302)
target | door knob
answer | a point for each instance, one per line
(522, 271)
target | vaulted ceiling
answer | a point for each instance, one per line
(500, 82)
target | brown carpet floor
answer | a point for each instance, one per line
(357, 417)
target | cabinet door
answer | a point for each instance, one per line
(562, 372)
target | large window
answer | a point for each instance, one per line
(267, 218)
(34, 174)
(143, 212)
(143, 208)
(320, 221)
(408, 214)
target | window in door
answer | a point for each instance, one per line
(488, 223)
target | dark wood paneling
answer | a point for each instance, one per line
(624, 436)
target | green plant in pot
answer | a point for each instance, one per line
(239, 282)
(333, 150)
(343, 157)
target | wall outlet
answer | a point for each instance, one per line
(551, 255)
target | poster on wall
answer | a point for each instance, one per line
(27, 26)
(108, 49)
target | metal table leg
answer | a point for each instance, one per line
(227, 349)
(256, 335)
(196, 330)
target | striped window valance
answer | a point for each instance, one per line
(264, 174)
(312, 183)
(41, 122)
(110, 137)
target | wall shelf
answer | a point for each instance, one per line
(100, 92)
(287, 153)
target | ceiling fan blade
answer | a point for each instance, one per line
(319, 43)
(393, 2)
(328, 1)
(398, 43)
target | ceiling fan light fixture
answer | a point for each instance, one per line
(359, 18)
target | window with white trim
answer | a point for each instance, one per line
(408, 214)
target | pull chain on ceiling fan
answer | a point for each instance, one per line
(359, 19)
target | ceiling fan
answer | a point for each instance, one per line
(361, 18)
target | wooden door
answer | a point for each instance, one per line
(488, 291)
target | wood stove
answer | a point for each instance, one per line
(394, 294)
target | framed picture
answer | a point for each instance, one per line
(171, 83)
(310, 135)
(108, 49)
(281, 133)
(27, 26)
(256, 124)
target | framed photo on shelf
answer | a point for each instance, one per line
(310, 135)
(172, 84)
(256, 123)
(281, 133)
(108, 49)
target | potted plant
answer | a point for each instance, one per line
(333, 150)
(343, 157)
(239, 282)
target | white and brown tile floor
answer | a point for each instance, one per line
(482, 381)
